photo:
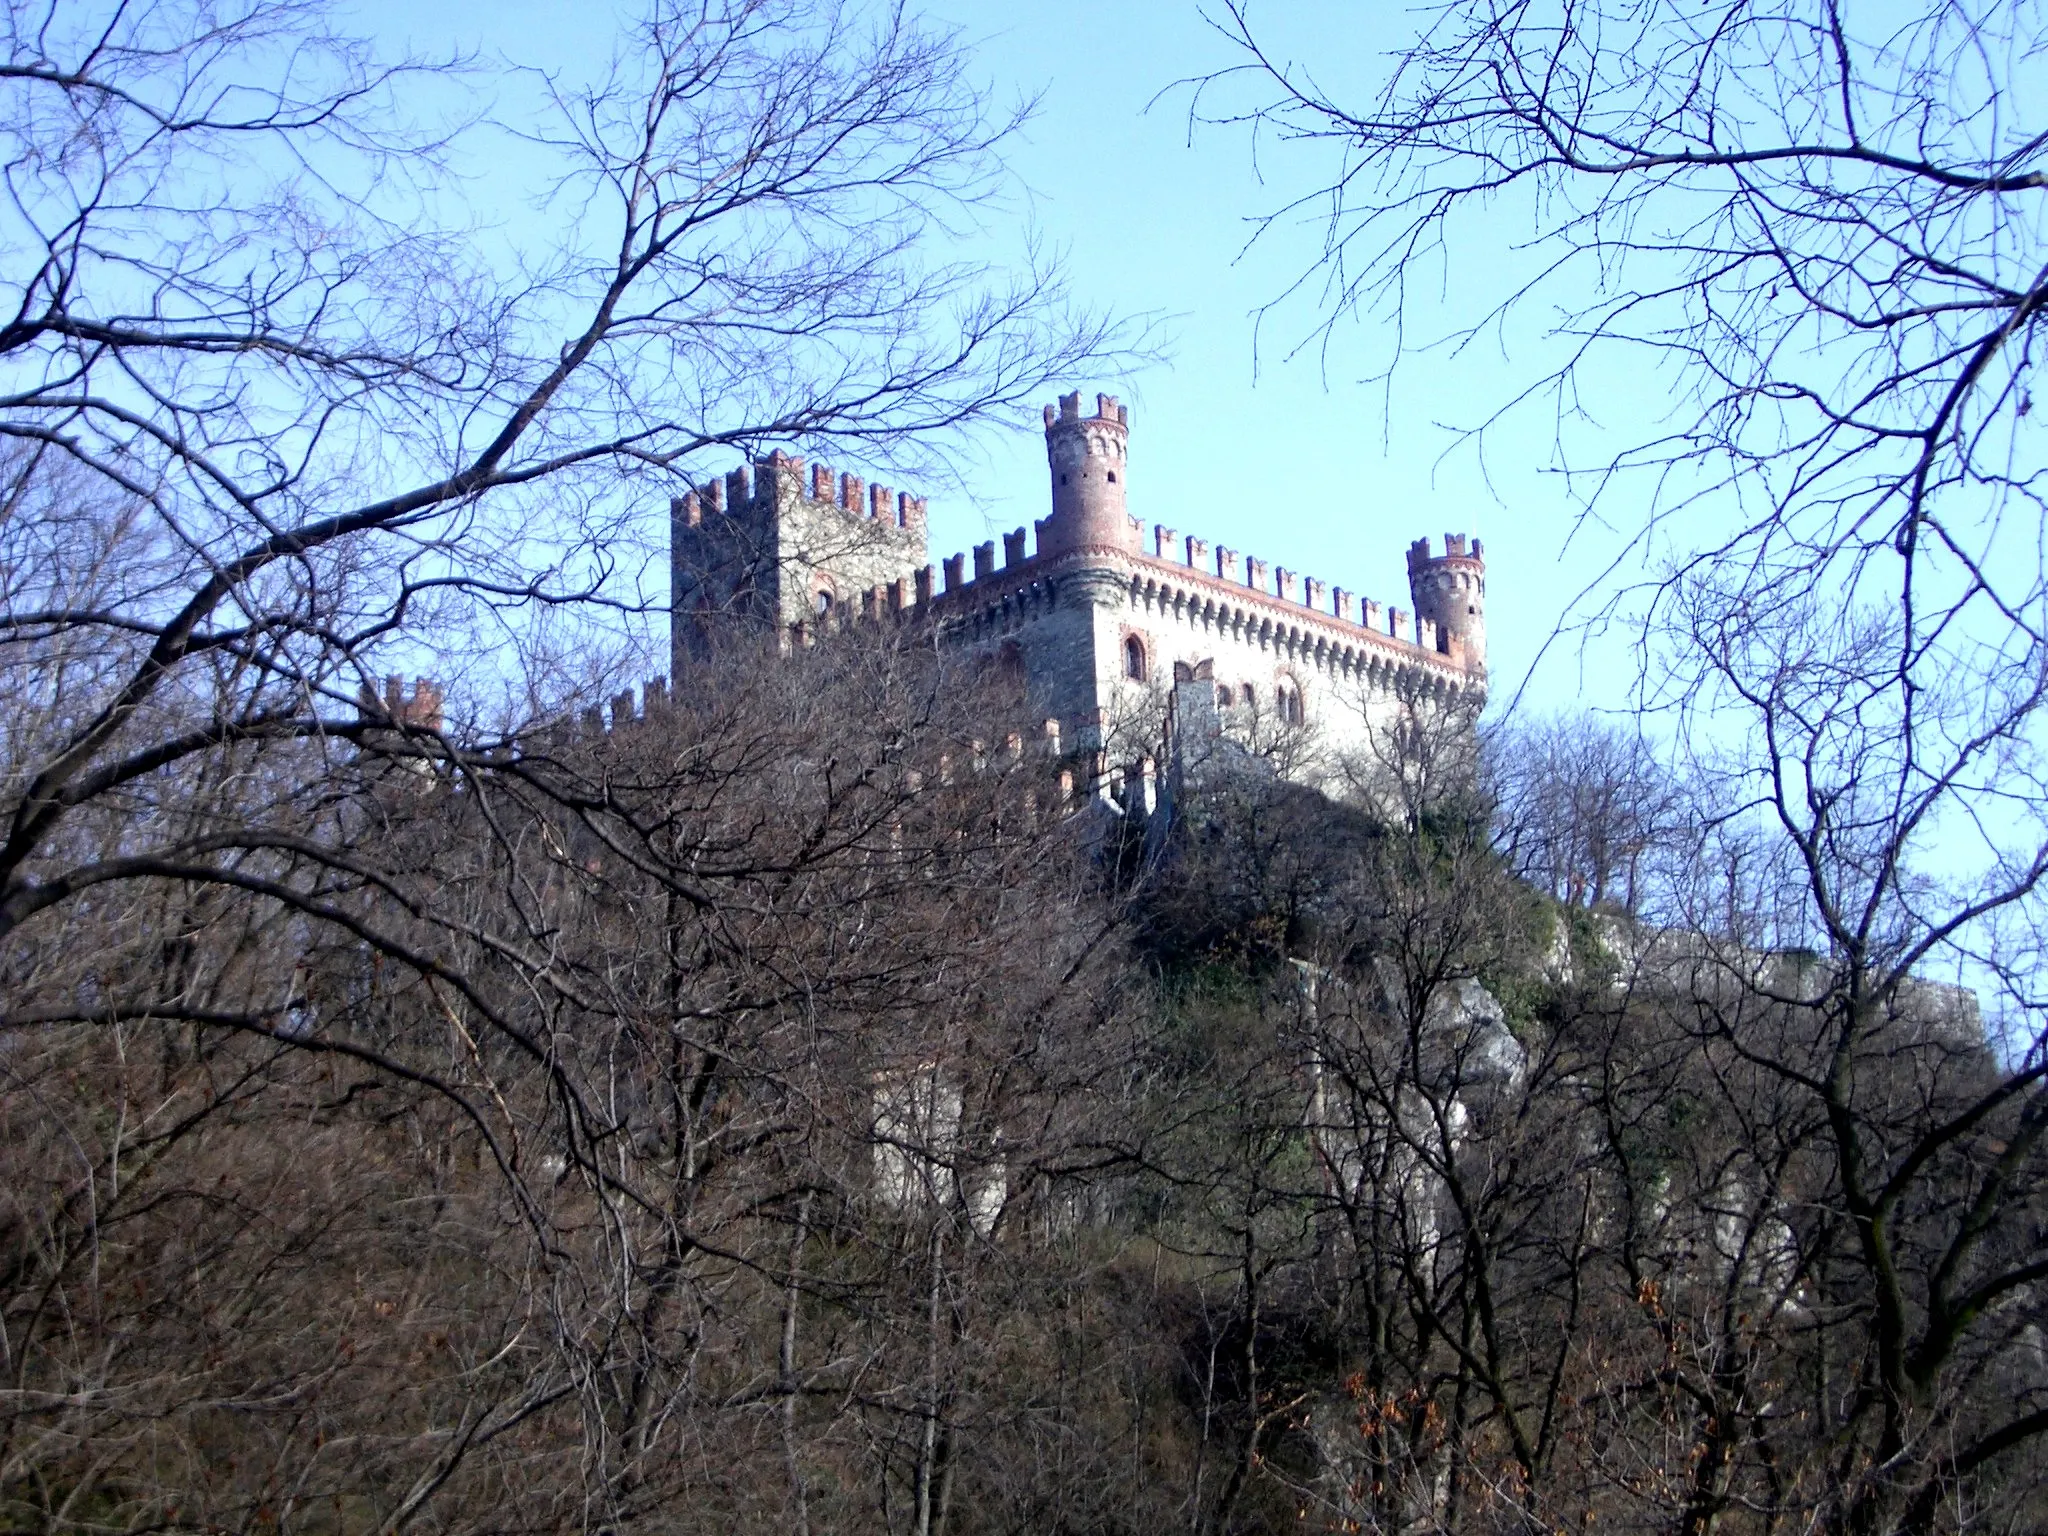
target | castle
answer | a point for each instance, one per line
(1097, 618)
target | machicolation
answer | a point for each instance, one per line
(1095, 612)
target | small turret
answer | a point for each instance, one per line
(1087, 455)
(1450, 593)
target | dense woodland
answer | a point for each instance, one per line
(807, 1104)
(796, 1108)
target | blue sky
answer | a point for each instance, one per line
(1240, 437)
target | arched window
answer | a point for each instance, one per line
(1134, 659)
(1224, 697)
(1287, 700)
(824, 603)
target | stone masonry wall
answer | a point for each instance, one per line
(805, 549)
(1067, 620)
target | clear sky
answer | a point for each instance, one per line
(1293, 458)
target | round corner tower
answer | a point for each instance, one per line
(1450, 591)
(1087, 455)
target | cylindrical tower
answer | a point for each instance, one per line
(1087, 455)
(1450, 591)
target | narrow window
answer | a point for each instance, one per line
(1223, 696)
(1112, 477)
(1134, 658)
(824, 604)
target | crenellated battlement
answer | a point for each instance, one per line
(954, 587)
(1456, 553)
(1090, 521)
(1090, 607)
(1088, 459)
(779, 481)
(1079, 770)
(1306, 624)
(418, 708)
(1107, 412)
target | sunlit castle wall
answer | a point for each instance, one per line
(1104, 617)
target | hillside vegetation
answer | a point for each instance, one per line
(786, 1112)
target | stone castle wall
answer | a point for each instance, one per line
(1100, 620)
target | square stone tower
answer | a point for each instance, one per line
(789, 546)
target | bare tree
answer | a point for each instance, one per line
(322, 431)
(665, 1125)
(1821, 227)
(520, 1079)
(1584, 807)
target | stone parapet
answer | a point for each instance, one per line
(1292, 630)
(1007, 596)
(787, 518)
(1241, 578)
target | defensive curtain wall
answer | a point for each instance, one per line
(1101, 617)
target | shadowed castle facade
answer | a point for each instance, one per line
(1101, 616)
